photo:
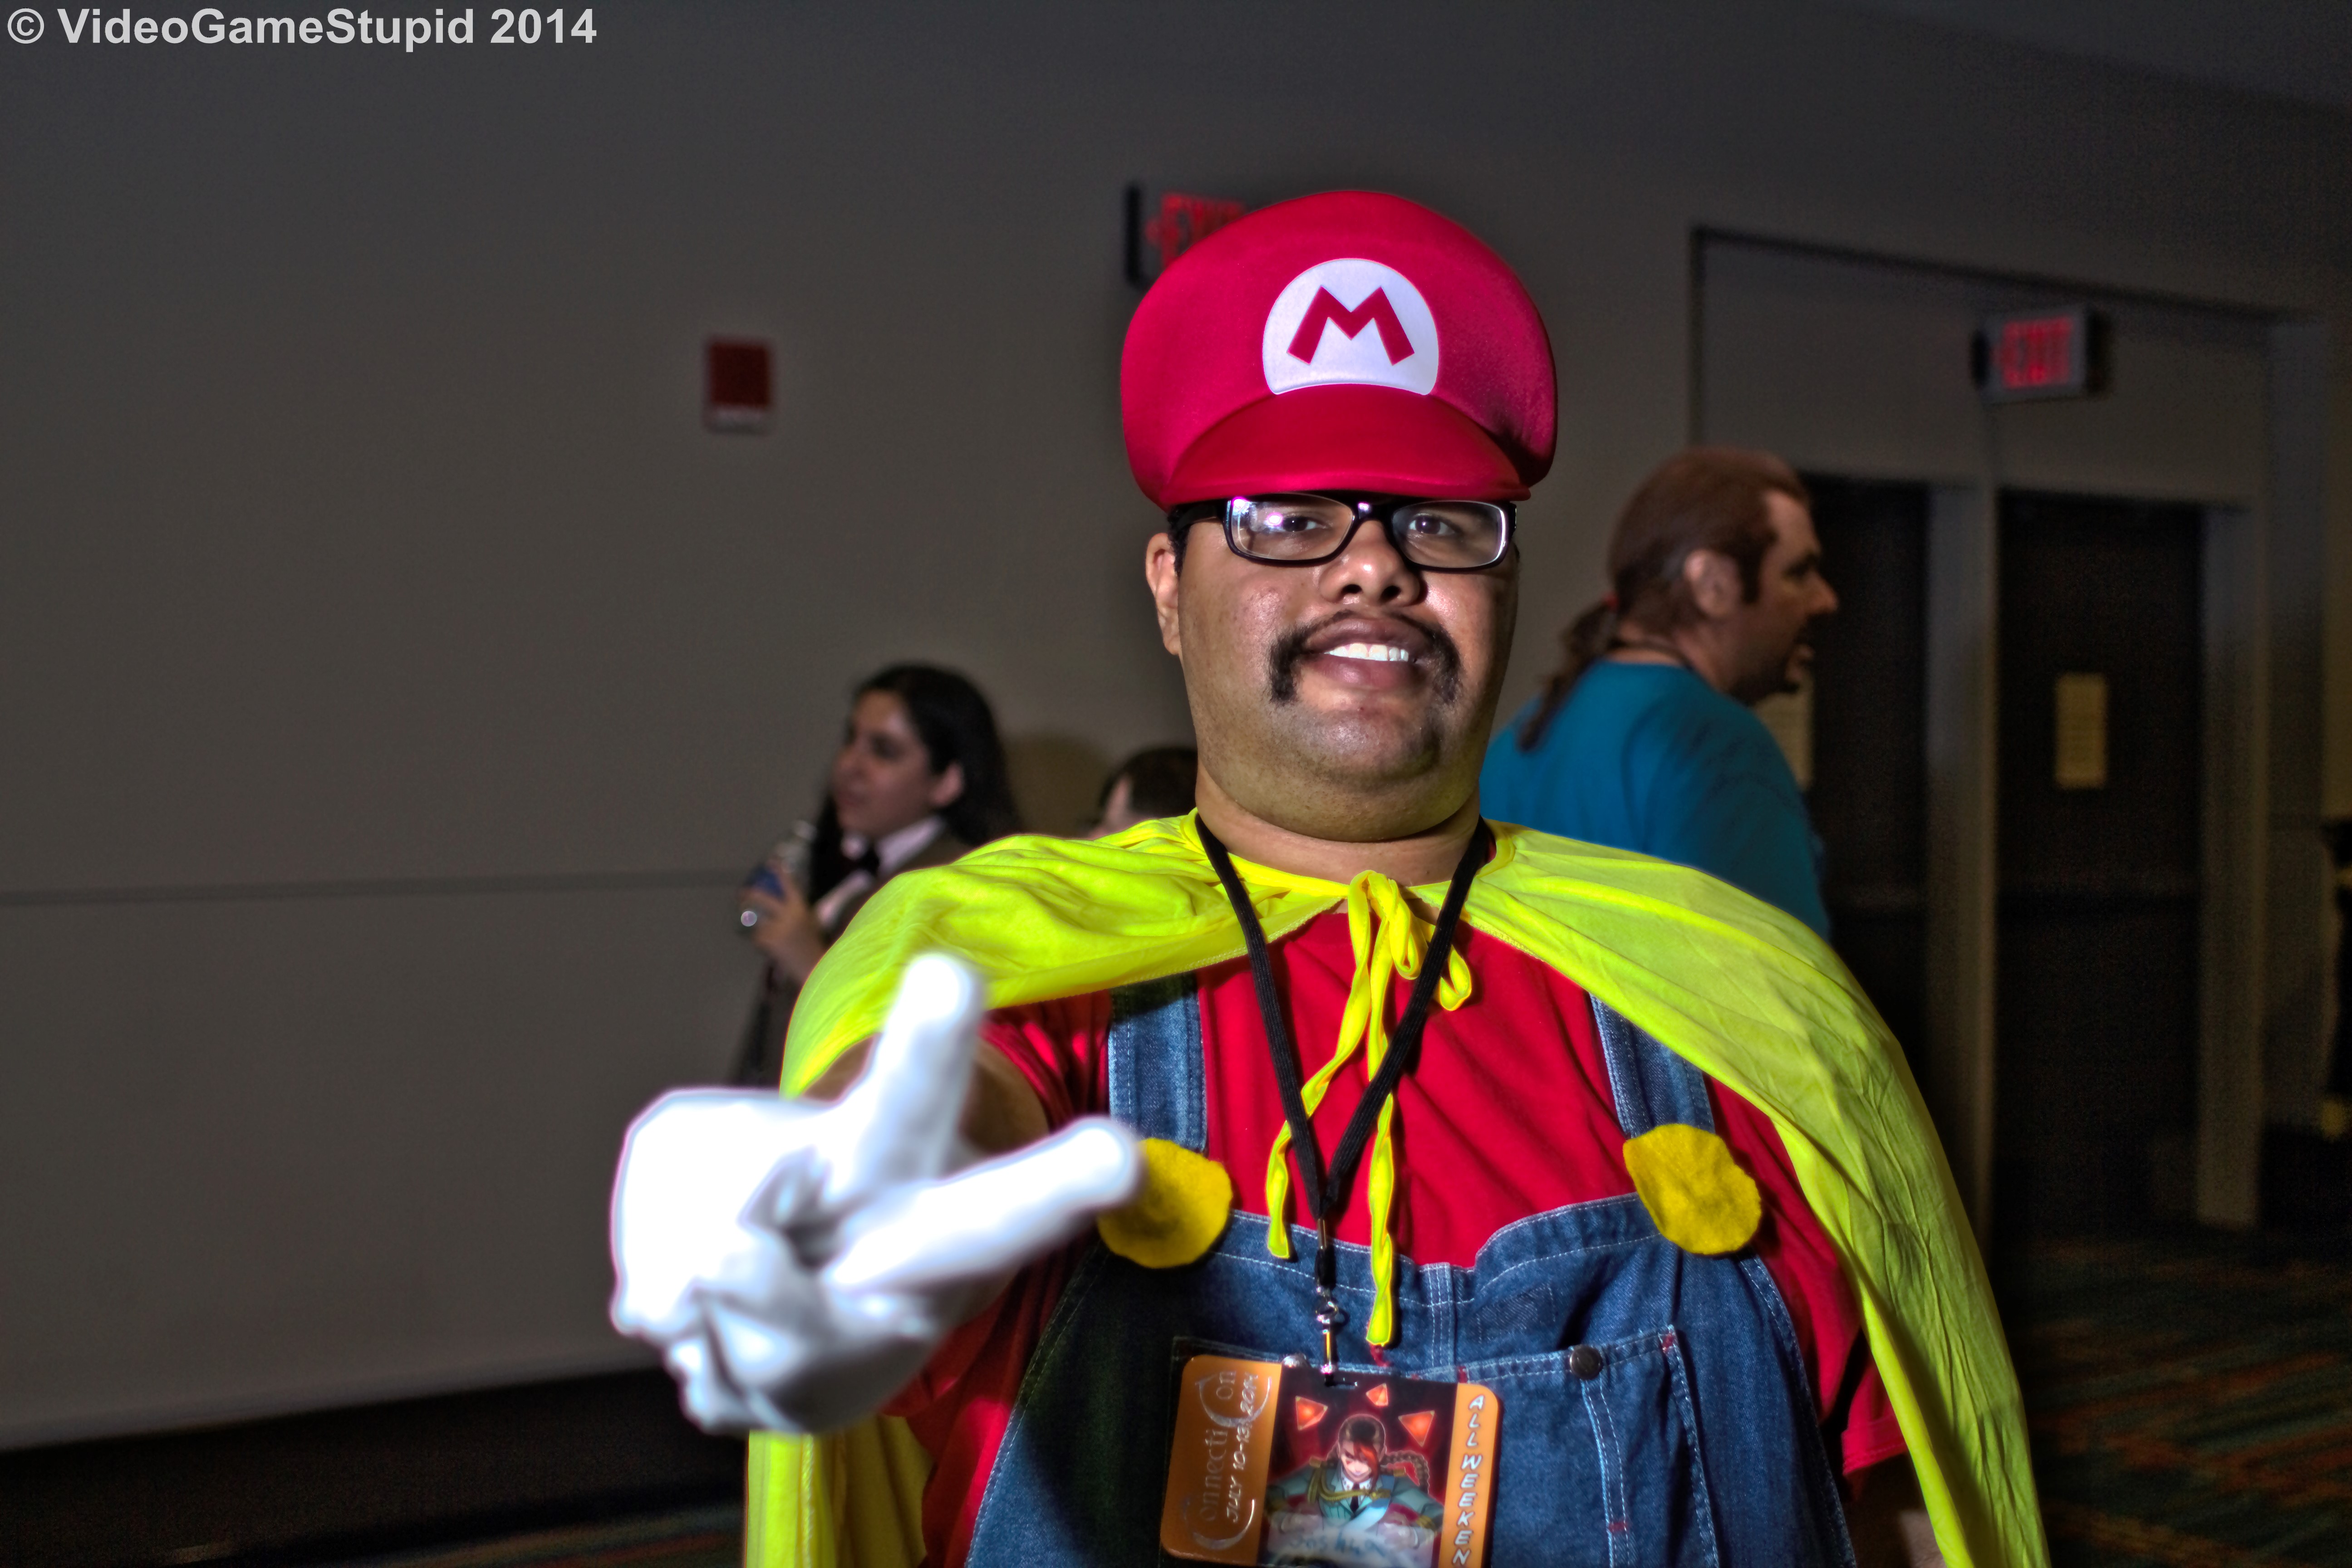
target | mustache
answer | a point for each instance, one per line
(1290, 651)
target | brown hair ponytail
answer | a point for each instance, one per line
(1587, 637)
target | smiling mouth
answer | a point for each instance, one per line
(1378, 652)
(1402, 651)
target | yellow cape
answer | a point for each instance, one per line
(1750, 996)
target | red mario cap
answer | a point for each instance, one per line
(1347, 342)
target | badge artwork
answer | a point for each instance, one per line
(1272, 1465)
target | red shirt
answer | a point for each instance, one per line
(1508, 1114)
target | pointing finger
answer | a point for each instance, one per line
(897, 1121)
(994, 1216)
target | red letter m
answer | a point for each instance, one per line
(1375, 311)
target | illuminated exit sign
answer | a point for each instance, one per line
(2029, 354)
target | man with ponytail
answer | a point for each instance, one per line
(1644, 737)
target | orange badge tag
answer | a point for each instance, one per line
(1215, 1510)
(1477, 1415)
(1395, 1472)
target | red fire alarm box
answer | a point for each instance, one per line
(737, 385)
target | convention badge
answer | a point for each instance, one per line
(1386, 1472)
(1215, 1508)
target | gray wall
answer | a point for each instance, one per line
(393, 672)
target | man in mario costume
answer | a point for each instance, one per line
(1332, 1073)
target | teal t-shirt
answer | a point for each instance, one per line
(1651, 758)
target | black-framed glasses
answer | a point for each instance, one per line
(1306, 531)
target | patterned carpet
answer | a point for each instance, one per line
(2190, 1398)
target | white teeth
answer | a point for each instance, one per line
(1379, 652)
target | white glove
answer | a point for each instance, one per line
(797, 1262)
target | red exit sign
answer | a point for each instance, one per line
(2032, 354)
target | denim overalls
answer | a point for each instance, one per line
(1655, 1406)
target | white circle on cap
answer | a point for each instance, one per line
(1351, 322)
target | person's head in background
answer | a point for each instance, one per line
(1155, 782)
(919, 764)
(919, 742)
(1714, 566)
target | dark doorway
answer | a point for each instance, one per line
(1868, 795)
(2100, 752)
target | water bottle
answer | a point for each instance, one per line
(793, 853)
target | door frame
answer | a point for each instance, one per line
(2233, 914)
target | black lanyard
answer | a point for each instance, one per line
(1326, 1191)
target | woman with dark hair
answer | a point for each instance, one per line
(1643, 740)
(919, 778)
